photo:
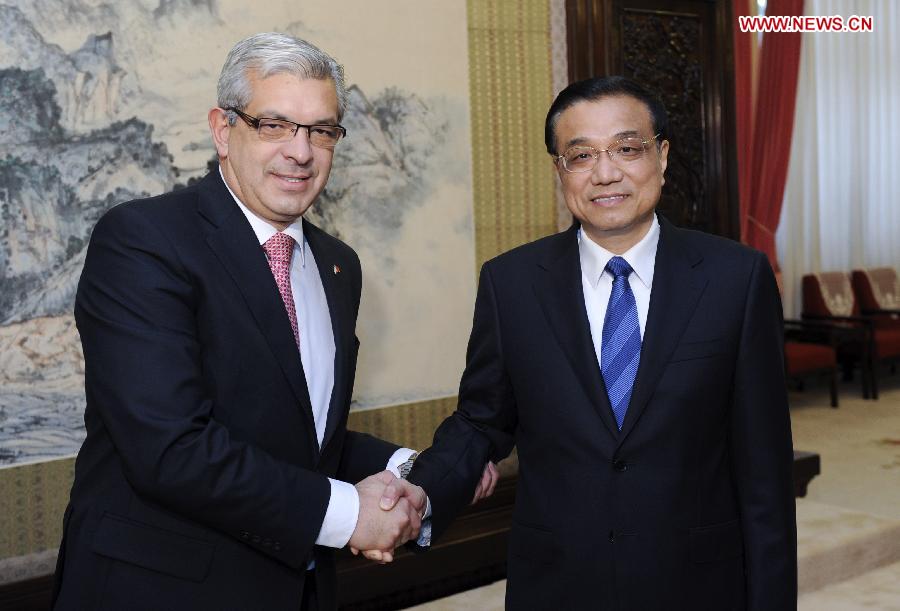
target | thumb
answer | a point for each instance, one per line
(389, 496)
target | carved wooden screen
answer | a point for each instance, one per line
(682, 51)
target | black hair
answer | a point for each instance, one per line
(595, 88)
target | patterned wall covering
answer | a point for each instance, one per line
(511, 82)
(510, 71)
(33, 498)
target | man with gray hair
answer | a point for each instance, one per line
(218, 334)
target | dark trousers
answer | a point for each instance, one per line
(309, 601)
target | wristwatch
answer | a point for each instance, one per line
(405, 467)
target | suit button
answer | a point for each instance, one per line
(245, 535)
(612, 536)
(267, 542)
(619, 465)
(277, 546)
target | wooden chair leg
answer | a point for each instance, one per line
(864, 376)
(872, 368)
(834, 387)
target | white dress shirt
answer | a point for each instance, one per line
(596, 281)
(317, 355)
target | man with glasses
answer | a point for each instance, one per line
(637, 367)
(218, 334)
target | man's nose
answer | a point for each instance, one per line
(299, 148)
(606, 171)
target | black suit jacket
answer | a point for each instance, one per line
(201, 484)
(691, 505)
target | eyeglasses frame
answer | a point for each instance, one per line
(608, 152)
(254, 122)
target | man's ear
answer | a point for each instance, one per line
(663, 159)
(557, 167)
(220, 130)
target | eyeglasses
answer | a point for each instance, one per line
(584, 158)
(281, 130)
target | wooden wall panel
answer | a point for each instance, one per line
(682, 51)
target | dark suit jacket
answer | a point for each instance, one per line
(691, 505)
(201, 484)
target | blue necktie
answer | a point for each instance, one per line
(620, 352)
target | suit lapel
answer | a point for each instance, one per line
(232, 240)
(677, 286)
(334, 270)
(559, 290)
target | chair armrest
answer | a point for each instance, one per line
(814, 332)
(861, 321)
(882, 312)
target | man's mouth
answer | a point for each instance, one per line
(610, 199)
(294, 179)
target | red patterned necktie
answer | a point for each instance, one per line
(279, 249)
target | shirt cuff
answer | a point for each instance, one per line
(398, 458)
(424, 539)
(341, 515)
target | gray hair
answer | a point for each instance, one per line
(271, 53)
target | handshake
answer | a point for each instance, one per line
(391, 511)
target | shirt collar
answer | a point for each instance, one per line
(641, 257)
(264, 231)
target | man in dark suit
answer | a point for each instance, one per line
(637, 368)
(219, 345)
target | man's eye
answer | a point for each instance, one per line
(271, 126)
(323, 130)
(579, 156)
(629, 148)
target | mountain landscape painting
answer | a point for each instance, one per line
(104, 102)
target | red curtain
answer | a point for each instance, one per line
(764, 168)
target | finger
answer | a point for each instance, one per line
(386, 557)
(494, 478)
(354, 551)
(385, 477)
(415, 523)
(409, 522)
(416, 496)
(478, 491)
(483, 484)
(373, 554)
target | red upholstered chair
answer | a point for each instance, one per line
(811, 348)
(829, 297)
(877, 291)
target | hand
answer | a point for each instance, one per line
(390, 513)
(488, 482)
(394, 492)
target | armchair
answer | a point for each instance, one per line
(811, 347)
(829, 297)
(877, 291)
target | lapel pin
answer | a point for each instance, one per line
(337, 270)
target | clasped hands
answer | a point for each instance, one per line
(391, 512)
